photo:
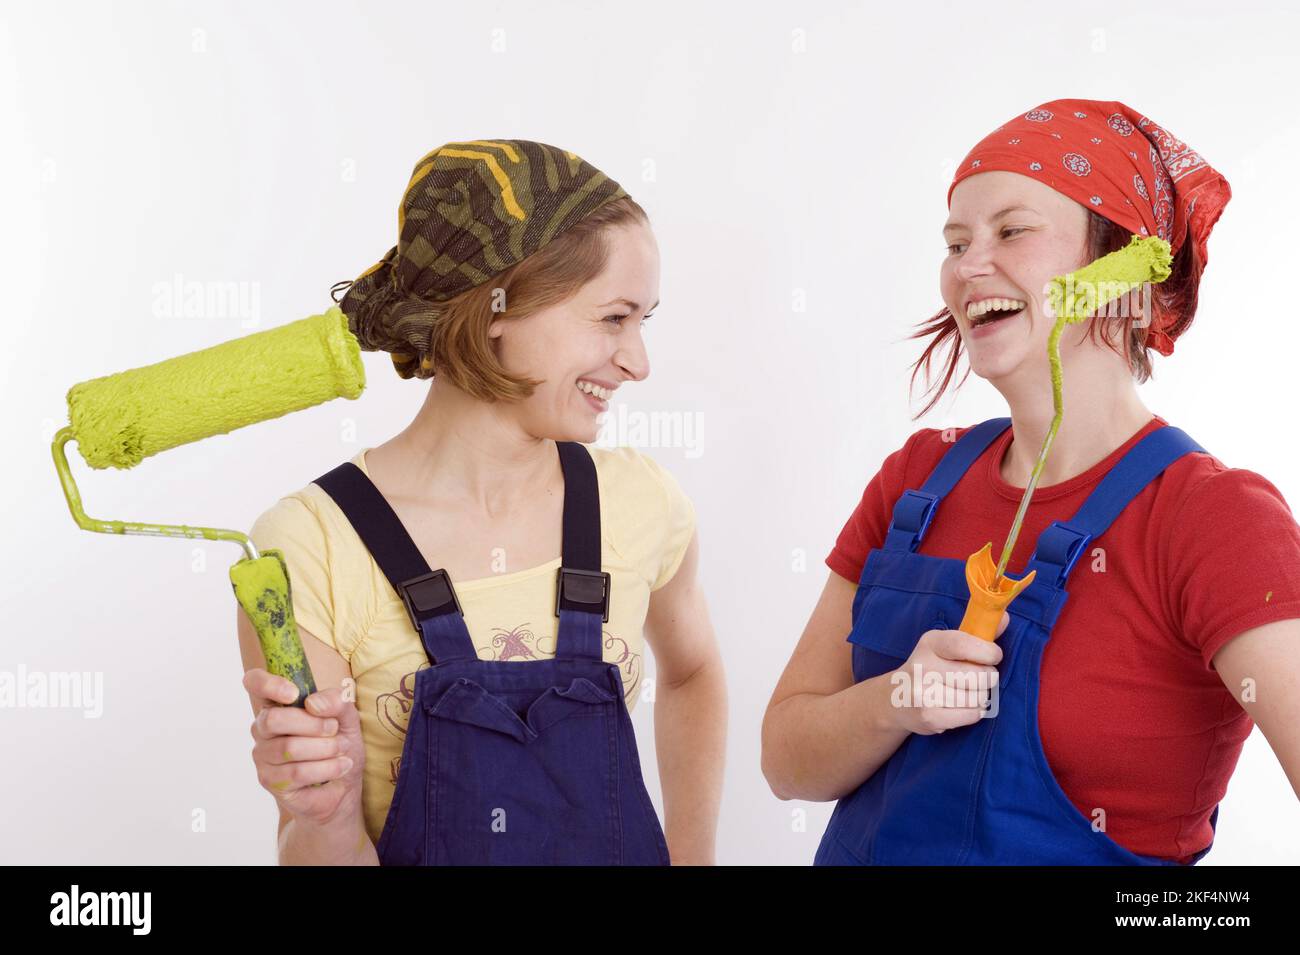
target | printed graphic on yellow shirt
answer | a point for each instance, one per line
(394, 709)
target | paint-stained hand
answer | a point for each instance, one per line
(311, 759)
(947, 681)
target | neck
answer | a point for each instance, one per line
(1102, 411)
(469, 453)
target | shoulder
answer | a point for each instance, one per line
(1200, 487)
(309, 517)
(647, 519)
(309, 509)
(633, 478)
(1228, 553)
(300, 525)
(906, 467)
(911, 464)
(296, 514)
(312, 505)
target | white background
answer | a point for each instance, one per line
(781, 149)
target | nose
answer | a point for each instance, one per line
(976, 261)
(631, 355)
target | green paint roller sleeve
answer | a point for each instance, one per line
(262, 589)
(120, 419)
(1075, 296)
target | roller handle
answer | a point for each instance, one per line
(982, 618)
(989, 595)
(262, 589)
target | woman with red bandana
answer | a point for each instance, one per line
(1164, 618)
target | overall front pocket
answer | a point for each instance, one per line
(888, 626)
(524, 784)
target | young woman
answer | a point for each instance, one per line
(472, 592)
(1120, 711)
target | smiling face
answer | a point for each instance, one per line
(1008, 235)
(591, 342)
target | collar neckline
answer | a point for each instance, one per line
(1092, 475)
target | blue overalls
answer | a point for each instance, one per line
(511, 762)
(981, 794)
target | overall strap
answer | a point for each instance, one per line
(1059, 546)
(429, 597)
(914, 510)
(581, 588)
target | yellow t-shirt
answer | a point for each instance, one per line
(342, 597)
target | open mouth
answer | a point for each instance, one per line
(986, 313)
(595, 390)
(595, 395)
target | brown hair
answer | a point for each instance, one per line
(459, 347)
(1173, 304)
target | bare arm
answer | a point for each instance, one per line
(1261, 668)
(690, 712)
(824, 734)
(341, 838)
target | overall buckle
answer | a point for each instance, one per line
(1061, 546)
(429, 595)
(589, 588)
(913, 514)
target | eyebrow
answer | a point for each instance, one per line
(629, 303)
(996, 216)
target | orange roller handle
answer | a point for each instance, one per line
(989, 596)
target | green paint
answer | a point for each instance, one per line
(1072, 298)
(120, 419)
(262, 589)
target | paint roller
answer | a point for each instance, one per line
(1070, 298)
(119, 420)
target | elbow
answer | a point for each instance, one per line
(787, 778)
(774, 769)
(785, 786)
(774, 781)
(789, 766)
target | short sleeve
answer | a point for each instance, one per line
(292, 527)
(867, 525)
(678, 525)
(1234, 560)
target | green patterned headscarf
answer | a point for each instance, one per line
(470, 211)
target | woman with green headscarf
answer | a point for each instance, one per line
(495, 688)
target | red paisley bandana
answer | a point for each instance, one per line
(1116, 162)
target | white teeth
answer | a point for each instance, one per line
(588, 388)
(976, 309)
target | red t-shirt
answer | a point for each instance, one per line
(1134, 718)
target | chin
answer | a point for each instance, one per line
(1001, 356)
(997, 365)
(584, 432)
(587, 435)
